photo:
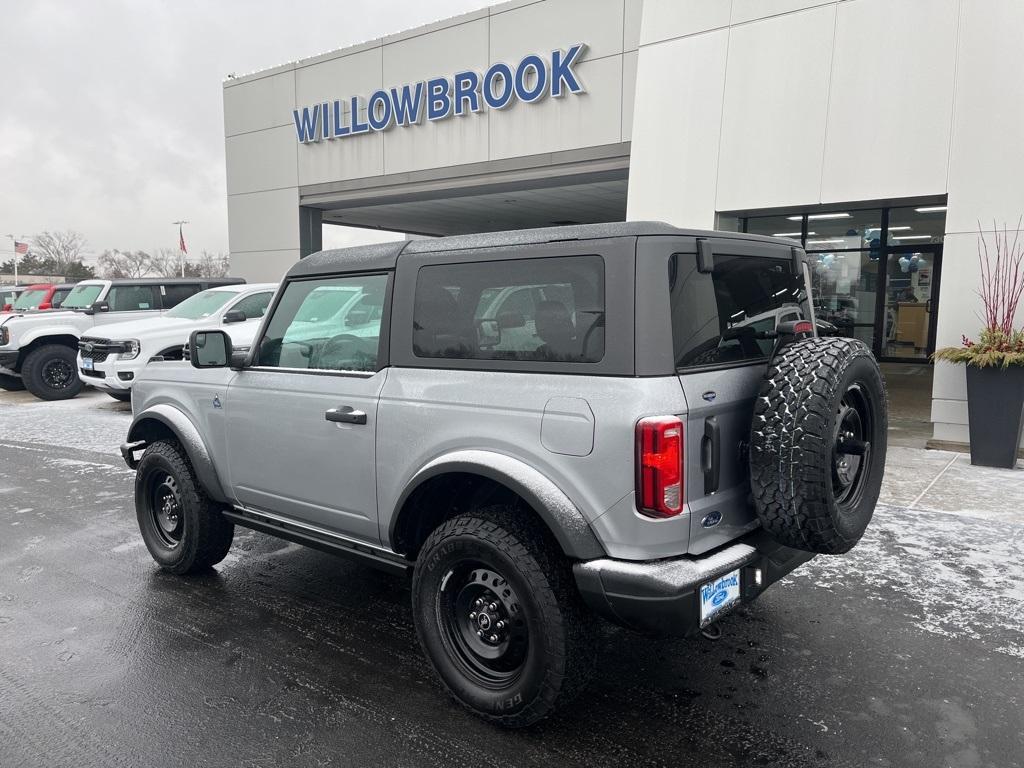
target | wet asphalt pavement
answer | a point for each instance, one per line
(907, 652)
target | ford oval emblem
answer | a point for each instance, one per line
(711, 519)
(720, 597)
(709, 395)
(89, 347)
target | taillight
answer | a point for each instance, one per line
(659, 466)
(803, 326)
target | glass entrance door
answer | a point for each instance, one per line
(905, 327)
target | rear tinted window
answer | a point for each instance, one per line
(544, 310)
(730, 316)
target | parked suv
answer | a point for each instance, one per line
(38, 350)
(112, 361)
(649, 451)
(42, 296)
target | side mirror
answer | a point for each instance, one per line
(234, 316)
(209, 349)
(238, 358)
(98, 306)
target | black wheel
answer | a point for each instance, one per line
(498, 616)
(49, 372)
(121, 397)
(182, 527)
(11, 383)
(817, 447)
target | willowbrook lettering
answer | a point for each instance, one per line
(533, 79)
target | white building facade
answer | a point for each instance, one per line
(878, 132)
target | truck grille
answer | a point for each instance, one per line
(97, 350)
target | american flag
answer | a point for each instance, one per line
(181, 240)
(20, 248)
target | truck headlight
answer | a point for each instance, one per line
(131, 350)
(5, 336)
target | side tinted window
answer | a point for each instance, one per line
(254, 306)
(131, 298)
(173, 295)
(58, 296)
(544, 310)
(730, 315)
(331, 324)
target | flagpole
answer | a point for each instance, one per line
(14, 244)
(181, 245)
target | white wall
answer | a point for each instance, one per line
(746, 104)
(266, 164)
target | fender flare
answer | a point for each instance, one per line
(187, 434)
(35, 334)
(563, 518)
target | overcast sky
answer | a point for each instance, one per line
(111, 121)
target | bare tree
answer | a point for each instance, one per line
(213, 265)
(166, 262)
(122, 264)
(61, 249)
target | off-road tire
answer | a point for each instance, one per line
(121, 397)
(205, 534)
(795, 444)
(34, 372)
(561, 632)
(11, 383)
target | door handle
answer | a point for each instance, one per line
(711, 446)
(345, 415)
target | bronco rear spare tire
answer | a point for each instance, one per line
(817, 445)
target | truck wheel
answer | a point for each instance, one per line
(11, 383)
(498, 616)
(817, 447)
(182, 526)
(49, 372)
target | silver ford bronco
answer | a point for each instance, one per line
(630, 421)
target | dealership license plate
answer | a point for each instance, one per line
(718, 596)
(86, 364)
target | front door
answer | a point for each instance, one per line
(905, 327)
(301, 420)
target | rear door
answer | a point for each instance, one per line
(726, 298)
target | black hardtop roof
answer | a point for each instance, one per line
(175, 280)
(362, 258)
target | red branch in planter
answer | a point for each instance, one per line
(1002, 278)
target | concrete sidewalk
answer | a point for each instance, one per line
(942, 481)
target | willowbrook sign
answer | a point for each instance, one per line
(532, 80)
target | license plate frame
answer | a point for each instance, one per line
(718, 596)
(87, 364)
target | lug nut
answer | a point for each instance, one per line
(493, 606)
(479, 602)
(501, 625)
(479, 633)
(493, 638)
(472, 615)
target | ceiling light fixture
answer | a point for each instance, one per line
(822, 216)
(900, 229)
(825, 242)
(933, 209)
(911, 237)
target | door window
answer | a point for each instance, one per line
(545, 310)
(331, 324)
(131, 298)
(254, 306)
(176, 293)
(730, 315)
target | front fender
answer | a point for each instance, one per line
(145, 430)
(562, 517)
(26, 337)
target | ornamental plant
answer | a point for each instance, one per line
(1002, 284)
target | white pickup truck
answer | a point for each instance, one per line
(110, 357)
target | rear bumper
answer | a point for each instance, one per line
(662, 596)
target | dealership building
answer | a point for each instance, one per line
(877, 132)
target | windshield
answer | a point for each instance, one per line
(325, 302)
(30, 299)
(201, 305)
(82, 297)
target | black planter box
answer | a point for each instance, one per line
(995, 406)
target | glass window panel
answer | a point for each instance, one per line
(843, 230)
(917, 226)
(844, 286)
(775, 226)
